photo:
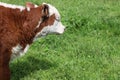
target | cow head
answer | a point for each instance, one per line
(51, 20)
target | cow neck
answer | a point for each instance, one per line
(29, 24)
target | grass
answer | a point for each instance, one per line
(88, 50)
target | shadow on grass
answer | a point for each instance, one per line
(21, 69)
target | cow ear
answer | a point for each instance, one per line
(30, 5)
(45, 10)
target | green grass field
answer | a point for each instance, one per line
(88, 50)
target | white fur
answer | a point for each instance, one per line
(36, 5)
(12, 6)
(39, 23)
(15, 6)
(17, 51)
(56, 28)
(28, 9)
(26, 49)
(53, 10)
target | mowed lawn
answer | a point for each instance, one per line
(88, 50)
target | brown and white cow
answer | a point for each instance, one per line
(20, 26)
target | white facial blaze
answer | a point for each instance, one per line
(61, 28)
(57, 27)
